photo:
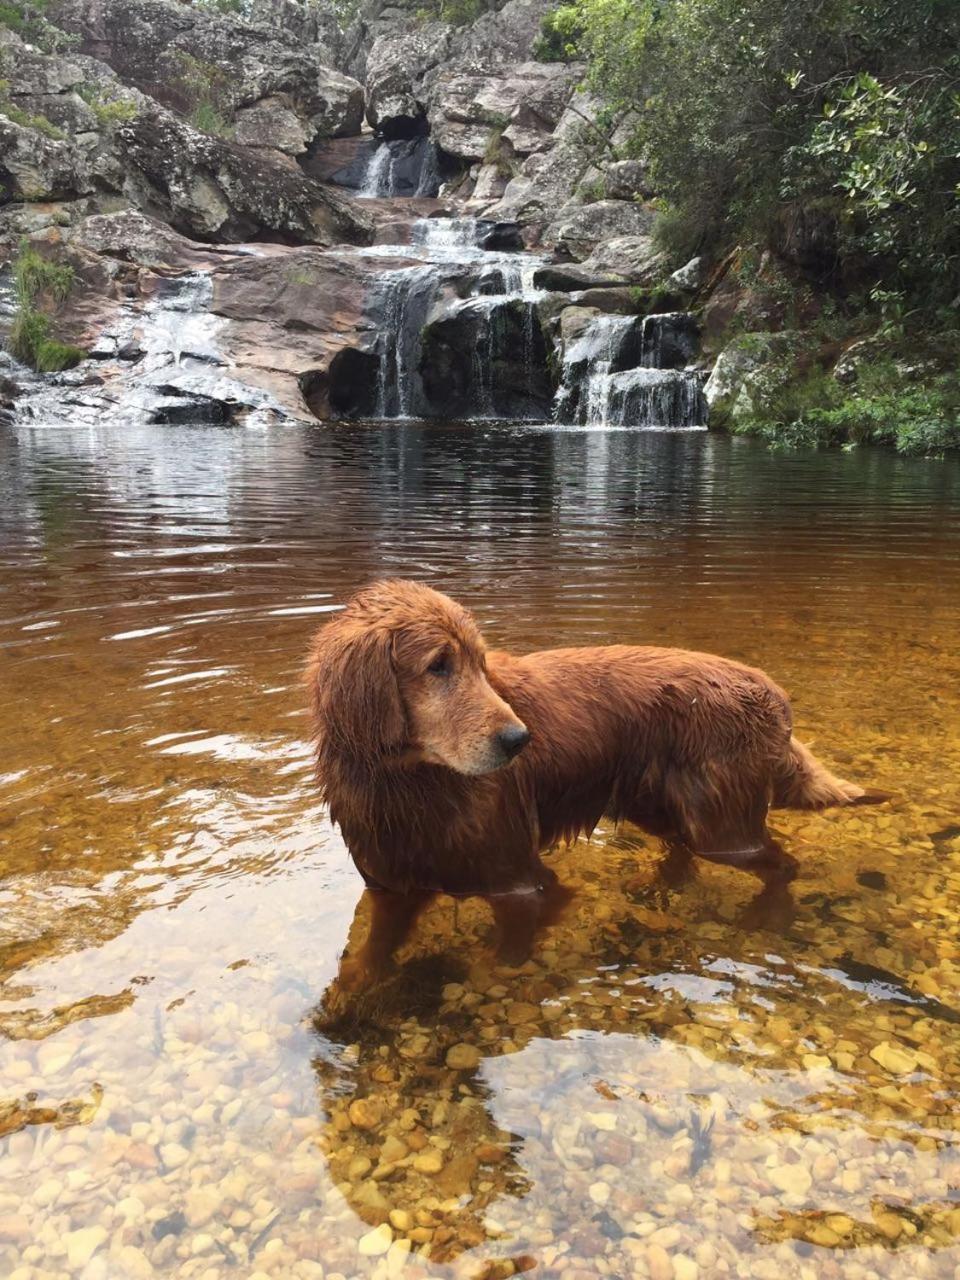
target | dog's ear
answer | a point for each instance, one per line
(354, 693)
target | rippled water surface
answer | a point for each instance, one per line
(689, 1079)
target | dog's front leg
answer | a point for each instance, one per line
(392, 916)
(519, 915)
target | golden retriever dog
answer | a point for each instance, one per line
(450, 768)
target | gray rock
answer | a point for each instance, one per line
(688, 278)
(635, 258)
(396, 67)
(575, 321)
(571, 277)
(270, 123)
(468, 110)
(729, 389)
(181, 55)
(208, 188)
(580, 228)
(624, 179)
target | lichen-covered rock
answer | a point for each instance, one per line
(396, 67)
(548, 180)
(209, 188)
(469, 110)
(184, 56)
(728, 390)
(125, 144)
(581, 228)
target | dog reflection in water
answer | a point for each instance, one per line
(451, 769)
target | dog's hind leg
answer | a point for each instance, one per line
(802, 782)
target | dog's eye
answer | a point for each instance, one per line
(440, 666)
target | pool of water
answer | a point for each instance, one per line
(690, 1078)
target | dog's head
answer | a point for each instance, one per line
(401, 674)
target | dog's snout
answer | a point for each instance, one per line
(513, 739)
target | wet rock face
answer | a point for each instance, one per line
(487, 358)
(203, 186)
(181, 55)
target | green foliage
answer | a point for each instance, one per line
(207, 88)
(749, 109)
(107, 110)
(561, 31)
(39, 283)
(27, 18)
(893, 395)
(459, 13)
(237, 7)
(208, 118)
(38, 122)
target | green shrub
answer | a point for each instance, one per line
(40, 283)
(897, 397)
(561, 31)
(206, 87)
(499, 153)
(26, 18)
(38, 122)
(459, 13)
(208, 118)
(107, 110)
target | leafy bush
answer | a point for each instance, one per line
(107, 110)
(797, 403)
(561, 31)
(459, 13)
(38, 122)
(27, 19)
(37, 283)
(748, 109)
(207, 88)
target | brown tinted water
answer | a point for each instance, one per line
(688, 1079)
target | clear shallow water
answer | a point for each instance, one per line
(685, 1081)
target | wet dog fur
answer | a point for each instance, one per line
(450, 768)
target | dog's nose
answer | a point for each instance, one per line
(513, 739)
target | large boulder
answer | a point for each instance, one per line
(731, 389)
(548, 180)
(56, 145)
(580, 228)
(187, 57)
(396, 67)
(486, 356)
(471, 110)
(212, 189)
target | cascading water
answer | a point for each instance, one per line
(402, 301)
(403, 167)
(486, 357)
(165, 367)
(627, 372)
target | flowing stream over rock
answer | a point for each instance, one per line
(620, 372)
(403, 167)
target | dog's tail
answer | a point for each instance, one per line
(802, 782)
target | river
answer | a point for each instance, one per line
(688, 1079)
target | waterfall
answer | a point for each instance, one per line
(377, 180)
(163, 364)
(626, 372)
(401, 303)
(583, 395)
(403, 167)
